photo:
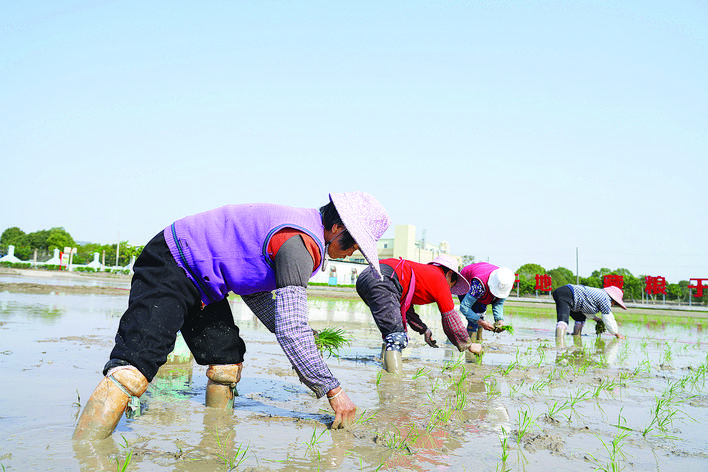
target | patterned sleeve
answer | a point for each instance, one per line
(295, 337)
(455, 330)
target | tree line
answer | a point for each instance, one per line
(633, 287)
(45, 241)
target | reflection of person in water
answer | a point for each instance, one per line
(604, 354)
(578, 301)
(265, 253)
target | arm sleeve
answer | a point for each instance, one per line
(455, 330)
(295, 336)
(466, 308)
(293, 263)
(415, 322)
(498, 310)
(610, 323)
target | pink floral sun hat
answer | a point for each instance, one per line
(462, 286)
(365, 219)
(616, 294)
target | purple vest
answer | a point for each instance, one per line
(480, 271)
(225, 249)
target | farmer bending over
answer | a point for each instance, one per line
(265, 253)
(407, 283)
(577, 301)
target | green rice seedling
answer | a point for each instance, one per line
(435, 385)
(397, 441)
(364, 419)
(614, 448)
(331, 340)
(492, 388)
(540, 385)
(503, 440)
(420, 373)
(460, 396)
(379, 375)
(541, 357)
(667, 357)
(525, 423)
(514, 389)
(504, 328)
(128, 456)
(452, 366)
(600, 327)
(605, 384)
(663, 414)
(509, 368)
(315, 440)
(555, 409)
(231, 462)
(644, 366)
(579, 396)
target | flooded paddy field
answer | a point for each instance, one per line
(525, 405)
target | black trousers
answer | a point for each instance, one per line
(383, 297)
(163, 301)
(563, 296)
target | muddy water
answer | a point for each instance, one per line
(445, 412)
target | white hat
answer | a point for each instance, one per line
(462, 286)
(365, 219)
(501, 281)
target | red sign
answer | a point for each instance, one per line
(655, 285)
(517, 281)
(611, 279)
(699, 287)
(543, 282)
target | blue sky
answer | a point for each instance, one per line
(516, 131)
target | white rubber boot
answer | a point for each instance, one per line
(578, 328)
(561, 330)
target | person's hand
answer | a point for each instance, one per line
(428, 336)
(475, 348)
(485, 324)
(344, 408)
(619, 336)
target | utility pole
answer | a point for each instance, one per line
(577, 273)
(117, 249)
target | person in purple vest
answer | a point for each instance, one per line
(489, 285)
(263, 252)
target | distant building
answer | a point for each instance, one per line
(405, 245)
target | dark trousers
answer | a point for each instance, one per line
(563, 296)
(162, 302)
(383, 297)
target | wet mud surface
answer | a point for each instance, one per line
(526, 404)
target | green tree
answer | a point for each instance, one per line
(561, 276)
(527, 277)
(59, 238)
(13, 236)
(466, 260)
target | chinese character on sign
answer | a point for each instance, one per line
(543, 282)
(610, 280)
(655, 285)
(699, 287)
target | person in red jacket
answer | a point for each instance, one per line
(405, 284)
